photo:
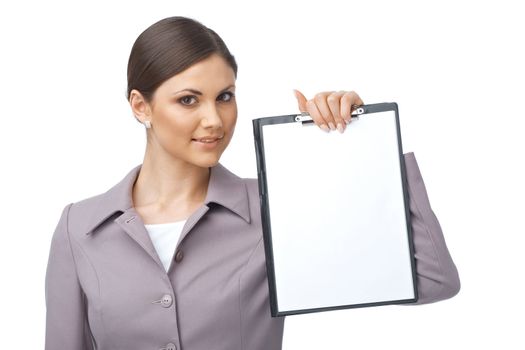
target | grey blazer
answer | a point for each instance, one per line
(106, 288)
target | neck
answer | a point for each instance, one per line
(167, 182)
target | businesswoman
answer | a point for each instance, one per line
(172, 256)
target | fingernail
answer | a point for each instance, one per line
(332, 126)
(324, 127)
(340, 127)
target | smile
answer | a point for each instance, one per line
(207, 143)
(208, 139)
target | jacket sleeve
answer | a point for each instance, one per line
(437, 276)
(66, 323)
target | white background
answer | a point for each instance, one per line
(456, 69)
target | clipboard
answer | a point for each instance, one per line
(335, 212)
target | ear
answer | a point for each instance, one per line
(140, 108)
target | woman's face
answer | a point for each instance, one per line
(192, 106)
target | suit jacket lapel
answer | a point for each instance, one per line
(224, 188)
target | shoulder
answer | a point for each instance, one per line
(74, 220)
(88, 213)
(252, 185)
(254, 201)
(222, 176)
(88, 204)
(81, 213)
(252, 188)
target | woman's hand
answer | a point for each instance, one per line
(329, 109)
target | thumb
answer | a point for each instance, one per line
(301, 100)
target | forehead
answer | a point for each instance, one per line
(210, 74)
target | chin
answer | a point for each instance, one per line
(207, 162)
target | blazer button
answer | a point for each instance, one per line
(178, 256)
(170, 346)
(166, 300)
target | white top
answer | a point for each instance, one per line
(165, 237)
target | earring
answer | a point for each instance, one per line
(147, 123)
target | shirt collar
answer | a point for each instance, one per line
(224, 188)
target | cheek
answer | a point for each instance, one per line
(230, 126)
(231, 118)
(175, 129)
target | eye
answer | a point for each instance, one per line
(230, 94)
(185, 99)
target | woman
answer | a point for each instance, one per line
(172, 256)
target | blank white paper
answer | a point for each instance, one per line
(336, 204)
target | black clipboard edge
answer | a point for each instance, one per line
(404, 180)
(265, 214)
(258, 124)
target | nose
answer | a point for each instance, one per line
(211, 117)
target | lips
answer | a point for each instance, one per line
(209, 139)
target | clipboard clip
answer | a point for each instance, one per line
(305, 116)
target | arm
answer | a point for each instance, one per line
(437, 276)
(66, 323)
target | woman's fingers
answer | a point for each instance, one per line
(301, 100)
(316, 116)
(322, 106)
(333, 100)
(330, 110)
(349, 99)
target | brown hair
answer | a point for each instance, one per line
(168, 47)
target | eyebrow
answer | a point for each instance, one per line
(197, 92)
